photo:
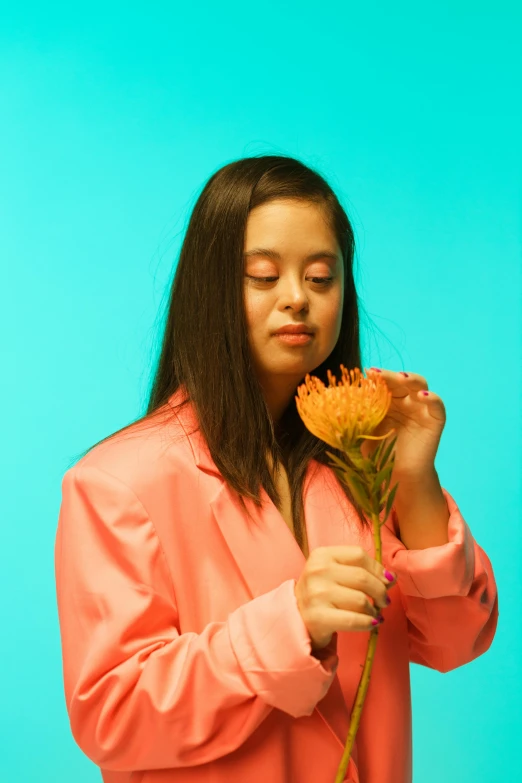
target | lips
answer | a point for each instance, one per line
(294, 329)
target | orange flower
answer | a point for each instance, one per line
(343, 413)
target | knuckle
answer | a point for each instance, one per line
(360, 553)
(319, 593)
(317, 552)
(317, 560)
(365, 580)
(316, 569)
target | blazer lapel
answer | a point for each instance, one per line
(266, 553)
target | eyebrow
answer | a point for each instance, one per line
(263, 251)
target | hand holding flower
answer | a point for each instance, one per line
(418, 417)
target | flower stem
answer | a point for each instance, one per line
(365, 676)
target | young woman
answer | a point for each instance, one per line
(216, 584)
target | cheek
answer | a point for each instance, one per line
(332, 313)
(254, 310)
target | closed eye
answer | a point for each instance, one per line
(316, 280)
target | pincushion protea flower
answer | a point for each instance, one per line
(344, 415)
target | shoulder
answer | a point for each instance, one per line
(144, 456)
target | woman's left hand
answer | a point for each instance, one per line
(418, 420)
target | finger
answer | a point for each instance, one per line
(354, 600)
(345, 620)
(369, 580)
(434, 403)
(399, 380)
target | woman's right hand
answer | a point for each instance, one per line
(335, 590)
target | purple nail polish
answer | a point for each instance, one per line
(389, 576)
(375, 368)
(425, 393)
(378, 620)
(388, 600)
(405, 374)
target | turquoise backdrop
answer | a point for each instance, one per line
(113, 116)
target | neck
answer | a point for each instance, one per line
(278, 398)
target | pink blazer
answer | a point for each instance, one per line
(185, 657)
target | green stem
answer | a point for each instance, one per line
(365, 676)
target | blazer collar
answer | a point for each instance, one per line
(269, 542)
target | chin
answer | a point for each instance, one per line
(295, 368)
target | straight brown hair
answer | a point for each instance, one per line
(205, 347)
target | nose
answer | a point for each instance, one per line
(293, 294)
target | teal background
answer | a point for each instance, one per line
(113, 116)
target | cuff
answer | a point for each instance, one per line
(273, 648)
(437, 571)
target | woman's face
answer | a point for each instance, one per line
(300, 289)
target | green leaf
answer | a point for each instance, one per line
(348, 468)
(368, 467)
(388, 451)
(357, 489)
(338, 461)
(389, 502)
(352, 481)
(388, 478)
(383, 474)
(360, 494)
(378, 451)
(357, 459)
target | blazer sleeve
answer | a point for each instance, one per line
(449, 596)
(140, 694)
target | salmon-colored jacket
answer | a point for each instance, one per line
(185, 657)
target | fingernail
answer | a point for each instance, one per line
(378, 620)
(405, 374)
(389, 576)
(375, 368)
(388, 600)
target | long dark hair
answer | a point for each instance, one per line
(205, 347)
